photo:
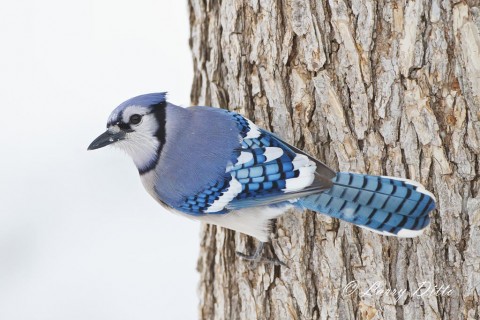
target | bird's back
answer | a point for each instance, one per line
(200, 142)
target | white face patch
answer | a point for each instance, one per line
(130, 111)
(141, 144)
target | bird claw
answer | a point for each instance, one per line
(258, 257)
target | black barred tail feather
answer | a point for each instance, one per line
(386, 205)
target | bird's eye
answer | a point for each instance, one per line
(135, 118)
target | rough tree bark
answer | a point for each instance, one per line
(388, 88)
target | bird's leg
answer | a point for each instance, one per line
(258, 256)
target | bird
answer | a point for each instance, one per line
(216, 166)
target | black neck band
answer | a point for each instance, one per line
(159, 110)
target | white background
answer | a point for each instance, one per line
(79, 236)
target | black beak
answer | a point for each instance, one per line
(106, 138)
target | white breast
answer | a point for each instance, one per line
(254, 221)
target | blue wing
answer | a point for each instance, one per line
(266, 171)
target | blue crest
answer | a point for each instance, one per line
(144, 100)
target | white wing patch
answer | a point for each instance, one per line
(272, 153)
(305, 178)
(234, 188)
(307, 169)
(254, 132)
(300, 161)
(244, 157)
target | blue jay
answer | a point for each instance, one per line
(216, 166)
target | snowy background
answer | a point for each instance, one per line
(79, 236)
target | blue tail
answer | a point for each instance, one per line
(386, 205)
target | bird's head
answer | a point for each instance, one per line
(137, 126)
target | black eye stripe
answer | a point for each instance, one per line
(124, 126)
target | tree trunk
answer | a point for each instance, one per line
(386, 88)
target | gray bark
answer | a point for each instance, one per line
(386, 88)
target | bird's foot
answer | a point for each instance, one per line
(257, 256)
